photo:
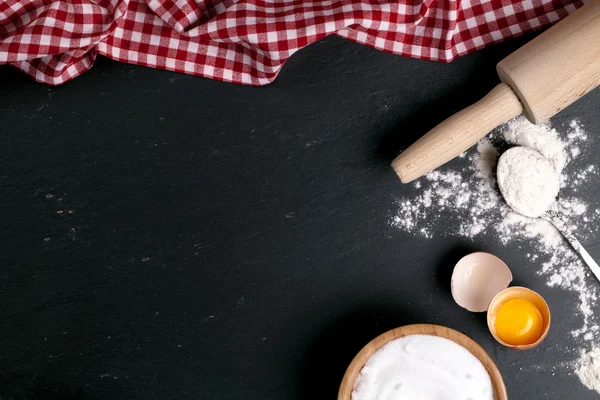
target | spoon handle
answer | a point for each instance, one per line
(587, 258)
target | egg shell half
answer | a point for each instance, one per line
(477, 278)
(518, 292)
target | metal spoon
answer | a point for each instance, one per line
(551, 216)
(554, 219)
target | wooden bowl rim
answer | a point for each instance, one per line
(345, 391)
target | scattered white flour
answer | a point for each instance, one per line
(589, 369)
(541, 138)
(423, 367)
(466, 193)
(528, 181)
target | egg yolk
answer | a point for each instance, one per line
(519, 322)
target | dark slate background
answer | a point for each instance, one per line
(170, 237)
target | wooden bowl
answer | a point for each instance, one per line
(345, 392)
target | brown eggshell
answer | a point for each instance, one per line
(477, 278)
(518, 292)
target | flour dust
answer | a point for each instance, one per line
(466, 195)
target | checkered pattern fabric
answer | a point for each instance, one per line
(248, 41)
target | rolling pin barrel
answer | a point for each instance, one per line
(539, 80)
(558, 67)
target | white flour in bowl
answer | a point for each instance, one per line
(423, 367)
(465, 194)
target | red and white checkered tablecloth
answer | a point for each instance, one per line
(248, 41)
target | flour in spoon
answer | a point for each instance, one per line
(543, 139)
(528, 181)
(462, 198)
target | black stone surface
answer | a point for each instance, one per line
(170, 237)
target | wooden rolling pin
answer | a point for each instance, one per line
(538, 80)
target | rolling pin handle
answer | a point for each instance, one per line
(456, 134)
